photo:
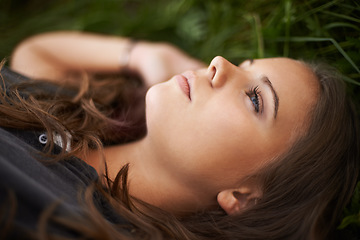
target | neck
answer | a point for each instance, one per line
(149, 181)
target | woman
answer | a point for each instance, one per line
(230, 152)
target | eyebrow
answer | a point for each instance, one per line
(275, 96)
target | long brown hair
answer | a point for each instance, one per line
(303, 191)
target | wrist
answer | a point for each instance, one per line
(126, 55)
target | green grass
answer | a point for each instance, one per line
(306, 29)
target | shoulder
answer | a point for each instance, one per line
(30, 183)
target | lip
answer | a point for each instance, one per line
(184, 85)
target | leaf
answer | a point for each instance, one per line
(353, 219)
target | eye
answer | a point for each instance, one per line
(255, 97)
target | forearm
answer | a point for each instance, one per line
(53, 55)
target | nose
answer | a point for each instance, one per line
(220, 70)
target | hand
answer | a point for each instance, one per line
(158, 62)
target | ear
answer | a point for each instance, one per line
(234, 201)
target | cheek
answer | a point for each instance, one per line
(240, 144)
(223, 145)
(213, 144)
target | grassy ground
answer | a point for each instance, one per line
(236, 29)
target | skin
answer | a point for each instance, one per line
(198, 150)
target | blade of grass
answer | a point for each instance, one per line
(342, 16)
(315, 10)
(336, 44)
(341, 25)
(350, 80)
(287, 27)
(259, 36)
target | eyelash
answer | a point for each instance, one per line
(255, 97)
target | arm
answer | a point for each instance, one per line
(53, 55)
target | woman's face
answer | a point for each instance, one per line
(213, 127)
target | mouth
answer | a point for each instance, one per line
(184, 85)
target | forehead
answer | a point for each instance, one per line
(295, 84)
(287, 71)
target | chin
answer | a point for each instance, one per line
(156, 102)
(154, 98)
(157, 93)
